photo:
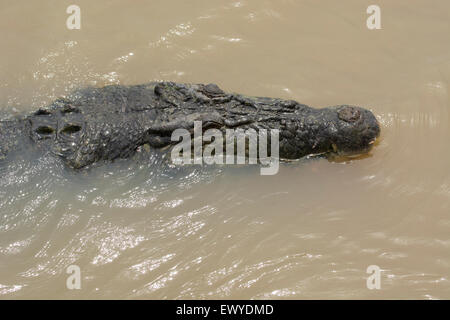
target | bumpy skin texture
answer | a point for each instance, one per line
(97, 124)
(11, 132)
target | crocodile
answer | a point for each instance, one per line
(94, 125)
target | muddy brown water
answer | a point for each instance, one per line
(146, 231)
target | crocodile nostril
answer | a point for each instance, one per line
(71, 129)
(45, 130)
(349, 114)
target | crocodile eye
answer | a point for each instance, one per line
(69, 109)
(42, 112)
(71, 129)
(45, 130)
(212, 89)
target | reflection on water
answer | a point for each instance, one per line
(143, 228)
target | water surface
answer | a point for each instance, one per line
(143, 229)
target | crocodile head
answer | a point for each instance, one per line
(342, 130)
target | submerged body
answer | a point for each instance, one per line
(98, 124)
